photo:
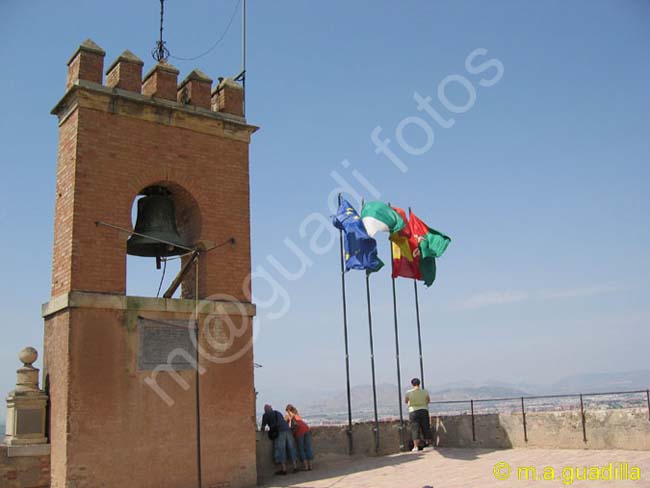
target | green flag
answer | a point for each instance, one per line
(380, 217)
(432, 245)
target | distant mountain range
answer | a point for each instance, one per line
(580, 383)
(477, 393)
(603, 382)
(336, 403)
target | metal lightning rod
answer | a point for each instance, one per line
(160, 53)
(242, 74)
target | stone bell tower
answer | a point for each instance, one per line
(133, 402)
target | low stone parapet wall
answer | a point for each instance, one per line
(331, 443)
(625, 428)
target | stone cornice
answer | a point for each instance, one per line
(81, 299)
(94, 96)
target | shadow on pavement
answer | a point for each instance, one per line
(463, 453)
(337, 469)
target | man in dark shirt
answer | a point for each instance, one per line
(283, 442)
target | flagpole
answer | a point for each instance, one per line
(372, 358)
(417, 316)
(399, 374)
(345, 334)
(372, 365)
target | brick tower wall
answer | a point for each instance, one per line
(108, 427)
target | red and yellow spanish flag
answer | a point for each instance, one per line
(405, 250)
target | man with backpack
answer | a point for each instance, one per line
(282, 437)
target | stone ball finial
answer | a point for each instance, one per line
(28, 356)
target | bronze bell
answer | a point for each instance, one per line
(156, 218)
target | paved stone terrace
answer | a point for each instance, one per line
(463, 468)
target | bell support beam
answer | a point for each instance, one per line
(181, 274)
(202, 246)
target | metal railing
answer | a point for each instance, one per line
(522, 402)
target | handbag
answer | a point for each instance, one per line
(274, 430)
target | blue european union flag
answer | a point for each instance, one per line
(360, 248)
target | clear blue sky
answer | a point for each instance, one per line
(542, 184)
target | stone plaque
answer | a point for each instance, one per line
(30, 421)
(166, 344)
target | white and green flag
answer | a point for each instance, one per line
(380, 217)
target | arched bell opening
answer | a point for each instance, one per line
(167, 224)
